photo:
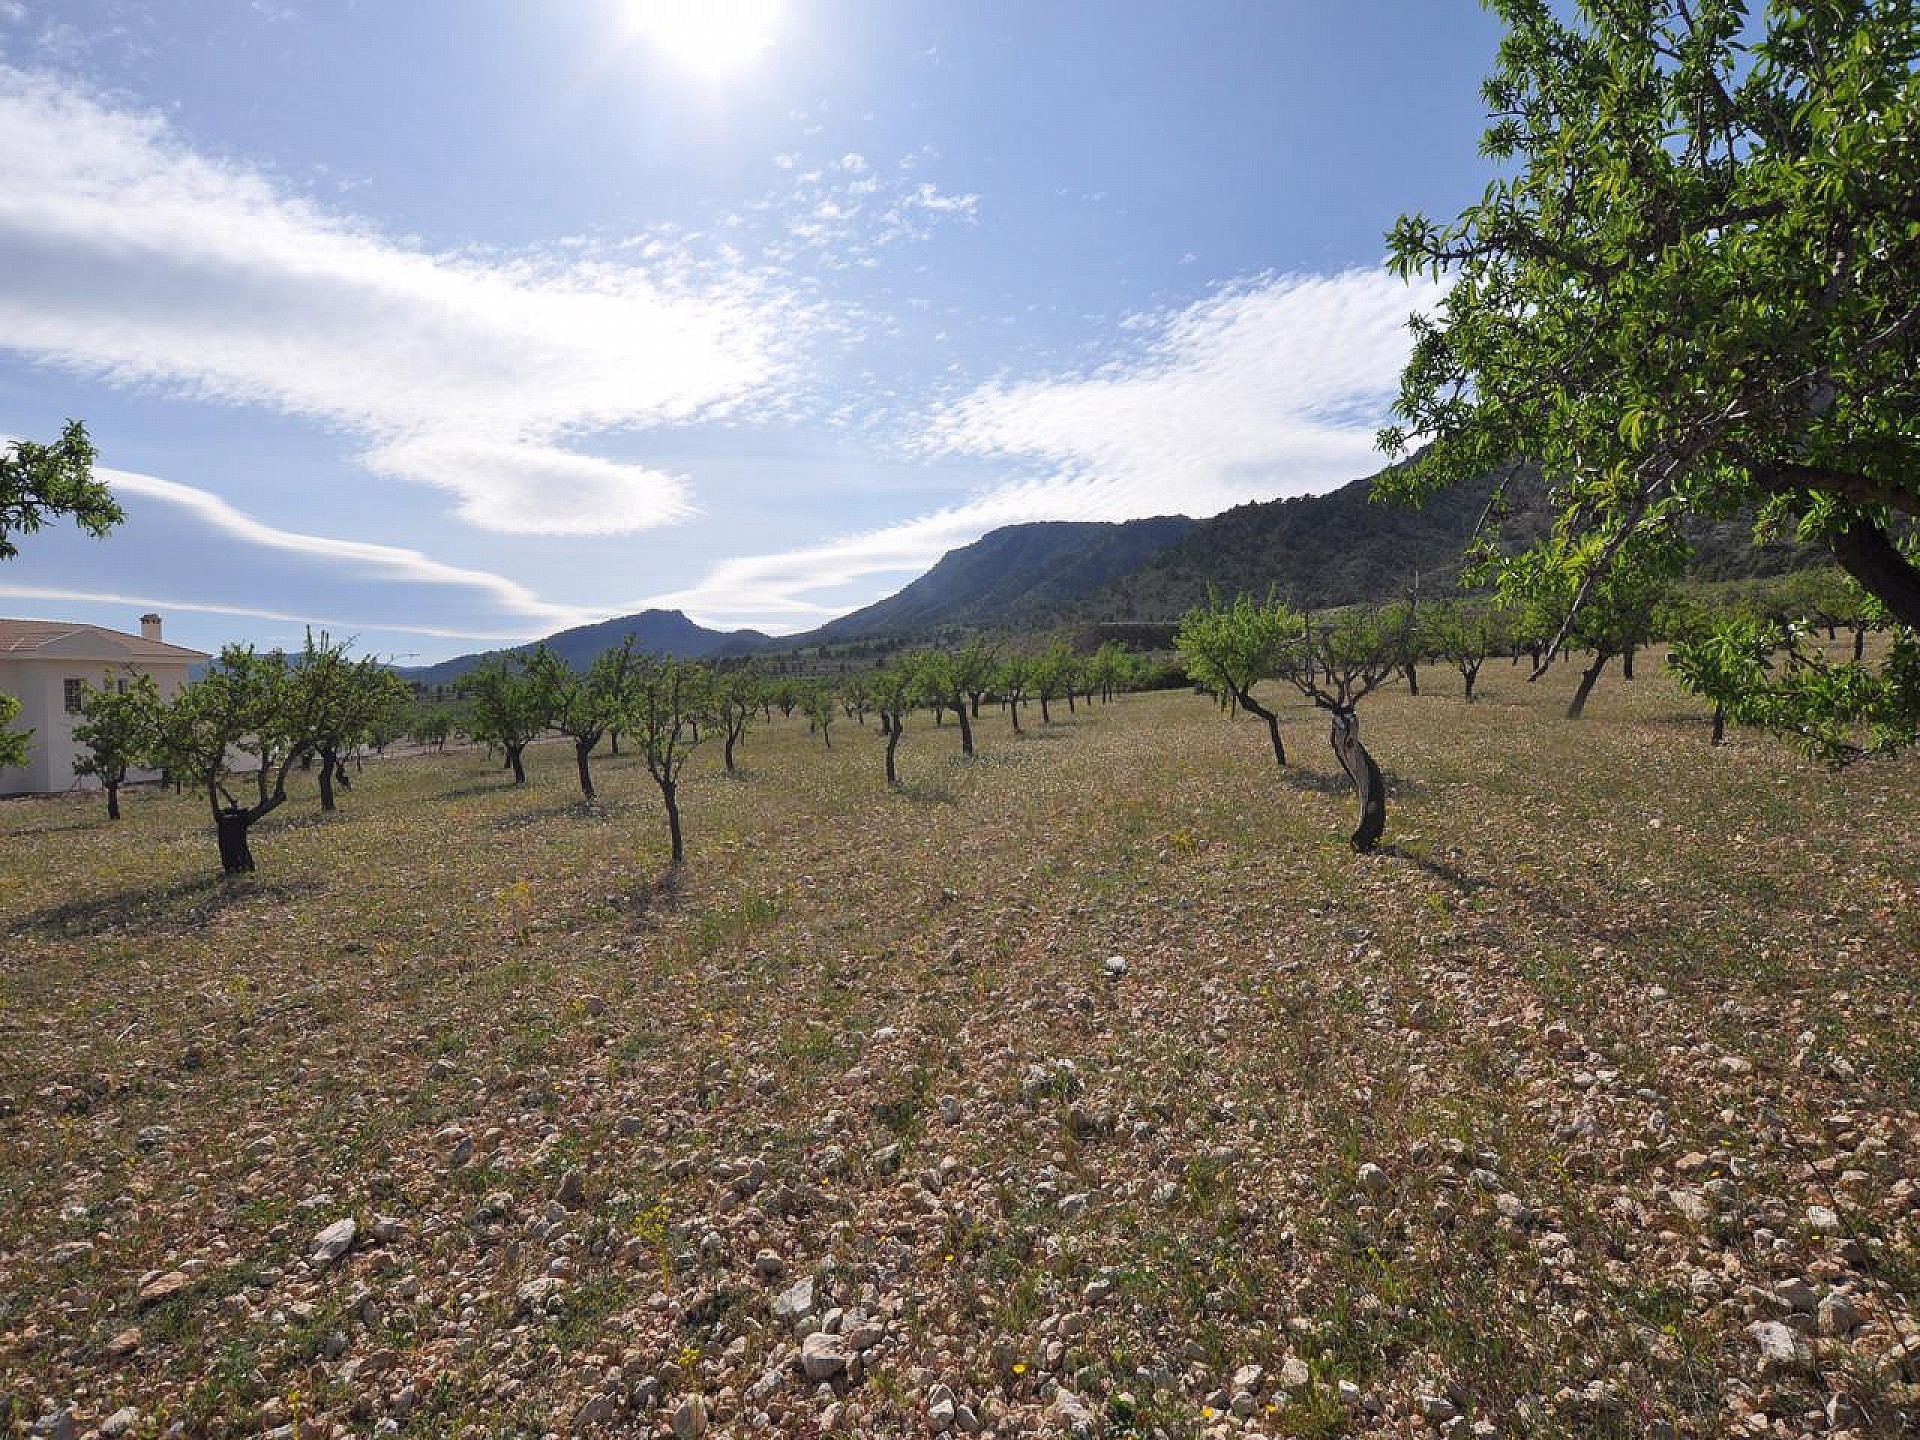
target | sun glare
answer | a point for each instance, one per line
(710, 39)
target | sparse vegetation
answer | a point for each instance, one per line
(1529, 1117)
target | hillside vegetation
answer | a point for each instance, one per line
(1094, 1086)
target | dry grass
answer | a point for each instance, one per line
(1598, 966)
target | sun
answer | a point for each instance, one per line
(710, 39)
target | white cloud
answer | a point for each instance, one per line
(1269, 388)
(194, 551)
(127, 256)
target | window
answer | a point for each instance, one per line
(74, 690)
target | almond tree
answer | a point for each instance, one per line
(1229, 649)
(345, 700)
(40, 482)
(119, 724)
(1336, 667)
(737, 694)
(1464, 635)
(892, 692)
(819, 700)
(1054, 673)
(1012, 682)
(950, 678)
(586, 707)
(665, 700)
(507, 707)
(247, 705)
(1692, 288)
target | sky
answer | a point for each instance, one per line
(451, 323)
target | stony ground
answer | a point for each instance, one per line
(1092, 1086)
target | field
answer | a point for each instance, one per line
(1591, 1106)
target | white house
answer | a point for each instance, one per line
(45, 663)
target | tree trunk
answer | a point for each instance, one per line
(230, 827)
(1719, 724)
(1046, 716)
(976, 705)
(513, 764)
(1413, 678)
(340, 772)
(1578, 704)
(113, 800)
(893, 740)
(1367, 785)
(613, 741)
(327, 763)
(966, 730)
(1070, 706)
(1013, 709)
(1254, 707)
(1859, 643)
(581, 750)
(1626, 663)
(727, 753)
(1866, 554)
(668, 793)
(1470, 673)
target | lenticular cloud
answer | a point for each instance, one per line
(128, 256)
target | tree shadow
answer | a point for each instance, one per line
(925, 793)
(1336, 782)
(578, 808)
(661, 893)
(1439, 869)
(482, 787)
(182, 905)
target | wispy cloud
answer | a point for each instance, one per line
(126, 255)
(1268, 388)
(198, 552)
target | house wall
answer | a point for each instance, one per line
(38, 682)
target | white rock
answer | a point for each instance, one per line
(1373, 1179)
(1071, 1412)
(822, 1356)
(333, 1242)
(690, 1418)
(1781, 1348)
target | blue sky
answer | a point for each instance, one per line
(455, 322)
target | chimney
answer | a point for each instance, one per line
(150, 627)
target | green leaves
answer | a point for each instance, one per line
(41, 482)
(13, 743)
(1229, 649)
(1693, 290)
(118, 728)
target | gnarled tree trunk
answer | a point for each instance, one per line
(1578, 704)
(1367, 784)
(1254, 707)
(230, 826)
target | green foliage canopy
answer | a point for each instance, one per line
(1693, 289)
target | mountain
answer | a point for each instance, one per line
(1007, 575)
(1342, 548)
(657, 632)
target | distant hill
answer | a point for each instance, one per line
(1343, 548)
(657, 632)
(1007, 575)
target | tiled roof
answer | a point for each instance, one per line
(26, 637)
